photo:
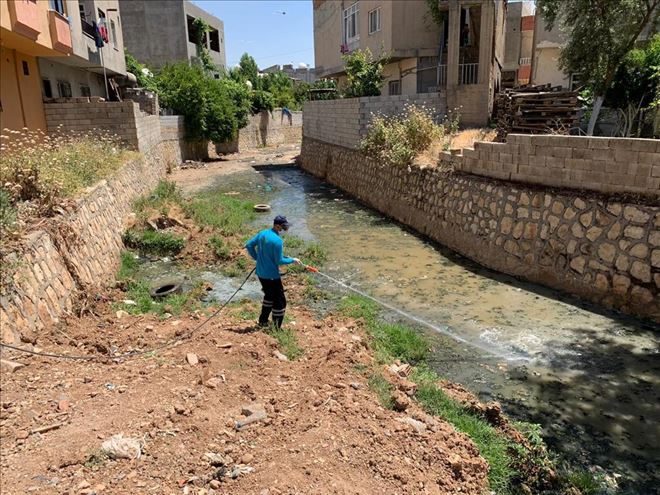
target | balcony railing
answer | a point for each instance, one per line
(525, 60)
(468, 73)
(88, 28)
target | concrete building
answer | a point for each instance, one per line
(82, 73)
(519, 39)
(462, 59)
(28, 30)
(306, 74)
(157, 32)
(545, 56)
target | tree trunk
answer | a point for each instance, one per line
(595, 111)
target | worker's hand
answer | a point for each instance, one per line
(297, 261)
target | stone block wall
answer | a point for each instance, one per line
(596, 163)
(79, 253)
(147, 100)
(345, 122)
(599, 249)
(137, 130)
(265, 130)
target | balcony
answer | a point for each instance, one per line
(60, 32)
(468, 73)
(24, 15)
(525, 61)
(88, 28)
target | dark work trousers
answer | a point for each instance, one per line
(274, 300)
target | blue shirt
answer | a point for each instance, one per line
(266, 249)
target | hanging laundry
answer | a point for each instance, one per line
(98, 39)
(103, 30)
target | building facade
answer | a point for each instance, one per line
(28, 30)
(518, 44)
(157, 32)
(83, 73)
(461, 58)
(305, 74)
(545, 56)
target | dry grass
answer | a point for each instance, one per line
(461, 140)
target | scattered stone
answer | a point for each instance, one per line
(44, 429)
(215, 484)
(402, 370)
(400, 401)
(247, 459)
(121, 314)
(63, 405)
(10, 366)
(254, 413)
(280, 356)
(129, 302)
(192, 359)
(22, 434)
(179, 408)
(82, 485)
(213, 383)
(355, 385)
(418, 426)
(216, 459)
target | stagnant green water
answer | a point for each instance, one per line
(588, 376)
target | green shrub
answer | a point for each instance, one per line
(262, 100)
(399, 139)
(287, 341)
(364, 74)
(153, 241)
(128, 266)
(382, 388)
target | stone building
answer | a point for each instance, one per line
(306, 74)
(460, 59)
(48, 51)
(519, 37)
(161, 31)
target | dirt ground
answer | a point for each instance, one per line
(324, 431)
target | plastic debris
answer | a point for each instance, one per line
(120, 447)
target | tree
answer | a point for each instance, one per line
(248, 70)
(144, 76)
(280, 85)
(213, 109)
(636, 87)
(364, 73)
(600, 34)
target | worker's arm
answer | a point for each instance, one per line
(283, 260)
(250, 246)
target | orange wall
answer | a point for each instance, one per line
(22, 43)
(20, 94)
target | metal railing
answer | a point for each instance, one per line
(468, 73)
(525, 61)
(88, 28)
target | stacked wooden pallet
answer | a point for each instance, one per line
(536, 110)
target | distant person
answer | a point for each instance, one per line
(289, 115)
(266, 249)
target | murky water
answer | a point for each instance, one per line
(589, 377)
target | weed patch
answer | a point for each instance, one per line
(166, 193)
(287, 341)
(220, 248)
(383, 390)
(153, 242)
(229, 215)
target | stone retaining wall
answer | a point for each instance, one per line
(265, 130)
(597, 163)
(601, 250)
(79, 253)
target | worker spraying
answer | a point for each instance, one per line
(266, 248)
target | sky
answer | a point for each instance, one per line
(260, 29)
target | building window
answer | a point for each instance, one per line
(48, 89)
(351, 26)
(85, 90)
(374, 21)
(81, 9)
(394, 87)
(215, 40)
(64, 89)
(113, 32)
(57, 6)
(26, 67)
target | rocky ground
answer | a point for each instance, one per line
(318, 428)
